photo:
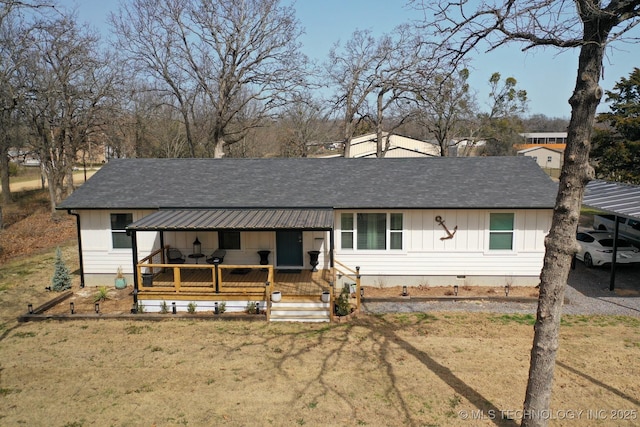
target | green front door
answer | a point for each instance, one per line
(289, 248)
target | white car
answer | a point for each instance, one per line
(596, 248)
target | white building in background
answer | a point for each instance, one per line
(547, 158)
(544, 138)
(399, 146)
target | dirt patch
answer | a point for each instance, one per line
(30, 227)
(448, 291)
(112, 301)
(120, 301)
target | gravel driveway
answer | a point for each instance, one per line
(587, 293)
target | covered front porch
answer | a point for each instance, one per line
(291, 294)
(237, 282)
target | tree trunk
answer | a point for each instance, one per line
(218, 148)
(560, 242)
(348, 134)
(4, 174)
(380, 151)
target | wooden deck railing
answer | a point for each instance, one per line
(343, 270)
(180, 278)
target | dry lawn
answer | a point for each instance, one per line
(394, 370)
(410, 369)
(405, 369)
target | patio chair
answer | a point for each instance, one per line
(174, 256)
(217, 256)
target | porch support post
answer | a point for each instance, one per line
(331, 247)
(134, 251)
(614, 255)
(216, 263)
(162, 247)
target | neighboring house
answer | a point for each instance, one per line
(399, 146)
(411, 221)
(553, 140)
(24, 157)
(547, 158)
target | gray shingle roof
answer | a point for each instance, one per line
(403, 183)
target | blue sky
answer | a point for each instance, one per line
(548, 75)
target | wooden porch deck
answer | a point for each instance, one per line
(292, 282)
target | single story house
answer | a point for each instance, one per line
(547, 158)
(399, 146)
(385, 222)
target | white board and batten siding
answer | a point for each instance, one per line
(98, 254)
(101, 259)
(428, 258)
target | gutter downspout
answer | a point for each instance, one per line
(77, 215)
(134, 250)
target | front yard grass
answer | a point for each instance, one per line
(436, 368)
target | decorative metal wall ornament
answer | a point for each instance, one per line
(449, 235)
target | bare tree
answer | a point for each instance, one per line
(148, 38)
(303, 125)
(406, 64)
(351, 71)
(11, 47)
(68, 85)
(374, 78)
(590, 26)
(227, 56)
(443, 105)
(14, 39)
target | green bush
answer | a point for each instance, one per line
(343, 307)
(164, 307)
(61, 280)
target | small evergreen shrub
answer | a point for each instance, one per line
(250, 308)
(61, 280)
(164, 307)
(191, 307)
(343, 307)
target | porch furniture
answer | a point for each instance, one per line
(147, 279)
(196, 256)
(264, 257)
(313, 259)
(174, 256)
(217, 257)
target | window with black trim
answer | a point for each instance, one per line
(501, 231)
(229, 240)
(119, 238)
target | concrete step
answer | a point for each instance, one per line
(300, 312)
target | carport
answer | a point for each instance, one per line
(617, 199)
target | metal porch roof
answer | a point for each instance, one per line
(236, 219)
(613, 197)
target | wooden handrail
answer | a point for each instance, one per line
(347, 274)
(177, 279)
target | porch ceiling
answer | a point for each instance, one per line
(236, 219)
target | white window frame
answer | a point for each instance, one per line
(512, 232)
(388, 231)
